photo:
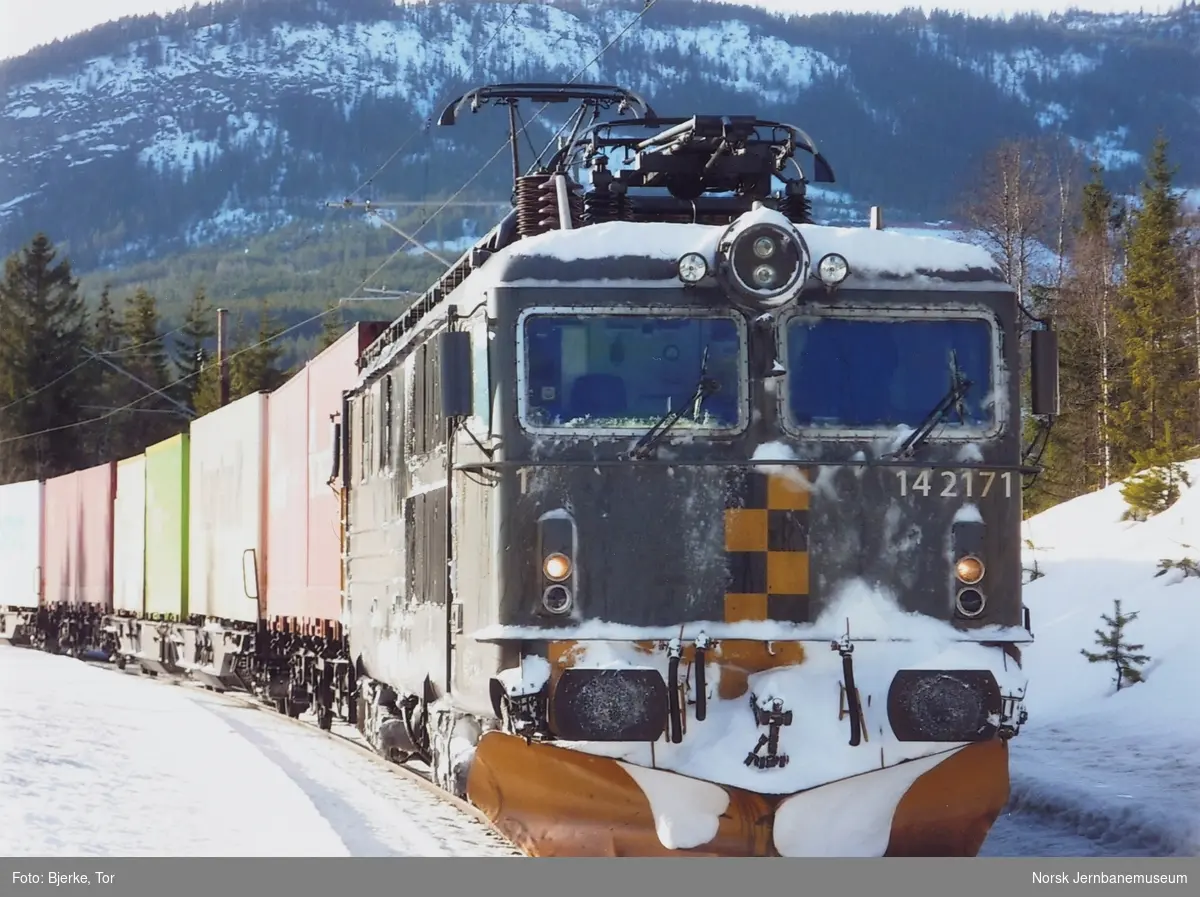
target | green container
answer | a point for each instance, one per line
(167, 527)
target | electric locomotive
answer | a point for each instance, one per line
(679, 524)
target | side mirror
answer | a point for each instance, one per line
(454, 350)
(1043, 372)
(250, 573)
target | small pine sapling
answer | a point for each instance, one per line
(1122, 655)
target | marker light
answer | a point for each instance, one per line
(971, 602)
(969, 570)
(833, 269)
(557, 599)
(557, 567)
(692, 268)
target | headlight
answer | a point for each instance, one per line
(833, 269)
(692, 268)
(763, 263)
(969, 570)
(557, 567)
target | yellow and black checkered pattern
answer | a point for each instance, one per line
(766, 548)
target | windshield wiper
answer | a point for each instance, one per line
(959, 386)
(705, 387)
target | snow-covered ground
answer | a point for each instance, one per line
(99, 763)
(1122, 769)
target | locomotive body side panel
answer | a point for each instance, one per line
(397, 561)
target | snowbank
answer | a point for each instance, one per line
(1122, 767)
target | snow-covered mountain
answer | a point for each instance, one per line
(150, 134)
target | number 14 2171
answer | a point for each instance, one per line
(955, 483)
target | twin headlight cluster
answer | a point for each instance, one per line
(763, 263)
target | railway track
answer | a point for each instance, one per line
(407, 771)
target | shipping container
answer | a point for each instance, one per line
(227, 521)
(78, 537)
(304, 548)
(21, 543)
(129, 536)
(167, 477)
(288, 492)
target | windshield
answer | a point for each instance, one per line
(614, 371)
(856, 373)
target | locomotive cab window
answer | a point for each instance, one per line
(601, 370)
(854, 373)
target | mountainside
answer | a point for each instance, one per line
(151, 135)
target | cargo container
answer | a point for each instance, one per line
(21, 544)
(20, 557)
(304, 542)
(167, 528)
(78, 537)
(227, 522)
(129, 536)
(287, 539)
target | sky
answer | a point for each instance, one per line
(25, 24)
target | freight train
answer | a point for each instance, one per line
(666, 522)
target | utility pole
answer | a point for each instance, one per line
(222, 364)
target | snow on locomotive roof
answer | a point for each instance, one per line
(872, 254)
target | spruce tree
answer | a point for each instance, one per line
(154, 417)
(1155, 416)
(256, 363)
(107, 338)
(1116, 651)
(45, 382)
(191, 348)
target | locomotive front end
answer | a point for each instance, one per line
(763, 564)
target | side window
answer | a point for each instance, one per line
(367, 429)
(385, 424)
(481, 374)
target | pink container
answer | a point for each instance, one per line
(287, 495)
(78, 537)
(305, 548)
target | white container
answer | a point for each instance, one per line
(21, 544)
(129, 536)
(227, 519)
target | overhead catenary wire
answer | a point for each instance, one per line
(650, 4)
